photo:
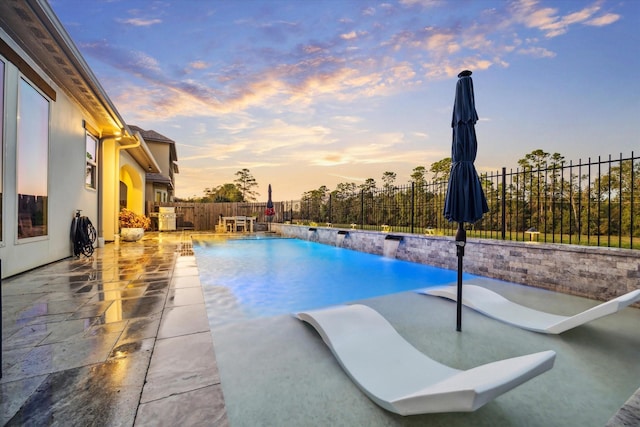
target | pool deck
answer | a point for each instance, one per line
(123, 338)
(117, 339)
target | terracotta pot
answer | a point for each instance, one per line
(131, 234)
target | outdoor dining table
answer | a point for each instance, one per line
(231, 223)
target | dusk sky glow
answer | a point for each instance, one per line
(319, 92)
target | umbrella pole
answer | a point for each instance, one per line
(461, 241)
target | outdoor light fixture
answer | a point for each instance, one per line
(531, 231)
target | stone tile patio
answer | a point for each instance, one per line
(117, 339)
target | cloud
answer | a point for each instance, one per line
(369, 11)
(368, 149)
(278, 135)
(298, 78)
(164, 97)
(291, 84)
(293, 87)
(349, 178)
(235, 123)
(547, 19)
(139, 22)
(134, 62)
(422, 3)
(367, 156)
(476, 41)
(442, 44)
(349, 120)
(156, 103)
(349, 36)
(200, 129)
(603, 20)
(214, 151)
(140, 61)
(536, 52)
(543, 18)
(314, 85)
(311, 49)
(279, 31)
(199, 65)
(280, 142)
(252, 93)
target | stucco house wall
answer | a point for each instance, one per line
(117, 166)
(66, 175)
(34, 47)
(160, 186)
(161, 154)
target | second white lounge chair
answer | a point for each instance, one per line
(401, 379)
(494, 305)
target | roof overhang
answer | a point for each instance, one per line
(160, 179)
(139, 150)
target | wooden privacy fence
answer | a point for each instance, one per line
(205, 216)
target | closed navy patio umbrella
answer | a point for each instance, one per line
(269, 211)
(465, 200)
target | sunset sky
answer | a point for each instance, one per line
(305, 93)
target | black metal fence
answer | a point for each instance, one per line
(588, 203)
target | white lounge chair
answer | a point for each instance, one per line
(494, 305)
(401, 379)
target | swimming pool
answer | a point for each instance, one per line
(250, 278)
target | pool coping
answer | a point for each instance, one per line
(189, 396)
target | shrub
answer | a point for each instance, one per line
(129, 219)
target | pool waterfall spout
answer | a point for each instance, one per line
(340, 237)
(311, 232)
(391, 244)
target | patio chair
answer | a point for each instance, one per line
(494, 305)
(401, 379)
(241, 223)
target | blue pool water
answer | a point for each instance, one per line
(266, 277)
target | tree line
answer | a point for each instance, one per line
(242, 189)
(440, 173)
(539, 195)
(544, 194)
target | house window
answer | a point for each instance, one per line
(161, 196)
(123, 195)
(90, 180)
(1, 141)
(32, 162)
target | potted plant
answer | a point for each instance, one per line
(132, 225)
